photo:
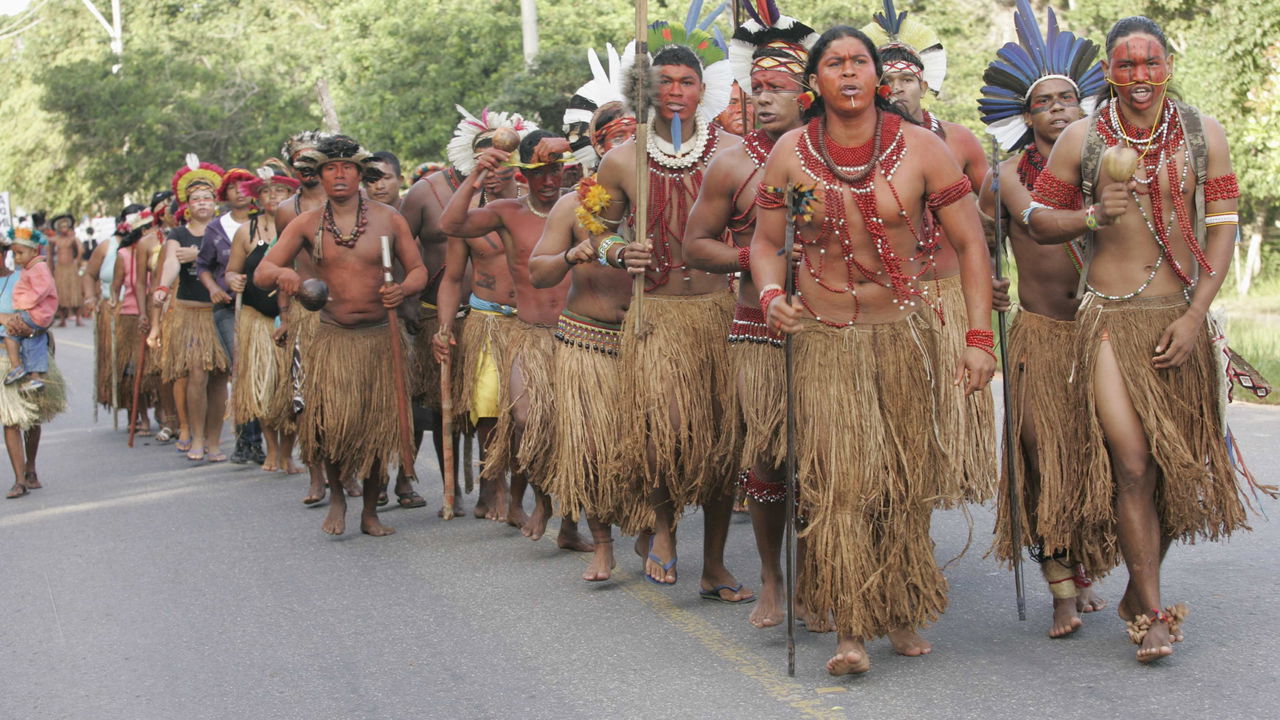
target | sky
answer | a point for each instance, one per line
(10, 7)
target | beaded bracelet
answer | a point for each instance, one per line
(1091, 217)
(602, 252)
(744, 257)
(767, 296)
(984, 340)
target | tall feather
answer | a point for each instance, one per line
(706, 22)
(193, 162)
(691, 18)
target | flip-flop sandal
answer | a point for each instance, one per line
(197, 458)
(411, 500)
(714, 594)
(164, 436)
(31, 482)
(216, 458)
(383, 499)
(665, 568)
(182, 448)
(14, 491)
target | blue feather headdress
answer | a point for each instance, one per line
(768, 33)
(895, 29)
(1021, 66)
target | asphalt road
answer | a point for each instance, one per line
(137, 585)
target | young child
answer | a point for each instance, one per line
(35, 302)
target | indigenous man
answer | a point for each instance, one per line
(1147, 371)
(915, 64)
(739, 117)
(211, 268)
(585, 475)
(422, 207)
(869, 459)
(383, 179)
(349, 419)
(1028, 114)
(68, 262)
(299, 322)
(524, 436)
(490, 317)
(768, 54)
(675, 360)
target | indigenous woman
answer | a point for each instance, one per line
(193, 359)
(98, 275)
(129, 284)
(261, 390)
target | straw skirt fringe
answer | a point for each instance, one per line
(870, 466)
(1041, 401)
(16, 409)
(349, 389)
(256, 381)
(968, 424)
(523, 440)
(102, 340)
(190, 340)
(680, 387)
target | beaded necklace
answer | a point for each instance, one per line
(1168, 141)
(838, 168)
(330, 225)
(667, 184)
(1030, 165)
(757, 145)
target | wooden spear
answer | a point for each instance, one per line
(640, 203)
(403, 419)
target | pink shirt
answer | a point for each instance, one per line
(36, 293)
(129, 303)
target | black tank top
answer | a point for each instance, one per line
(254, 296)
(189, 286)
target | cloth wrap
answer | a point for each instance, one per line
(870, 469)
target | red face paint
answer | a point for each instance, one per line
(1138, 67)
(678, 92)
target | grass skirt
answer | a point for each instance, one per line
(66, 278)
(426, 376)
(102, 354)
(967, 424)
(349, 386)
(584, 474)
(258, 360)
(190, 340)
(870, 466)
(16, 408)
(484, 333)
(677, 377)
(1040, 396)
(759, 365)
(532, 347)
(1197, 493)
(128, 339)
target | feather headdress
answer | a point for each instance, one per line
(305, 140)
(195, 172)
(1020, 66)
(604, 87)
(894, 29)
(781, 42)
(710, 49)
(471, 129)
(332, 148)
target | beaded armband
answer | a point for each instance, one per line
(1223, 187)
(744, 257)
(1221, 219)
(766, 298)
(1053, 193)
(950, 194)
(602, 252)
(769, 197)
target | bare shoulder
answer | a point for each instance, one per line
(729, 163)
(619, 159)
(923, 138)
(726, 139)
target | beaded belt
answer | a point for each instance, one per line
(749, 326)
(478, 303)
(580, 331)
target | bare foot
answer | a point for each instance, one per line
(1089, 600)
(458, 510)
(770, 610)
(290, 468)
(481, 510)
(602, 563)
(31, 480)
(572, 540)
(370, 525)
(850, 658)
(1129, 607)
(908, 642)
(516, 516)
(813, 621)
(536, 526)
(269, 466)
(335, 523)
(1157, 644)
(353, 488)
(1065, 619)
(315, 493)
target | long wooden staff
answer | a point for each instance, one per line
(97, 373)
(797, 201)
(115, 372)
(1012, 470)
(397, 367)
(640, 203)
(449, 471)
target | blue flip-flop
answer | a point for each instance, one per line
(665, 568)
(714, 594)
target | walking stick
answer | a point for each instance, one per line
(1015, 499)
(97, 375)
(397, 367)
(115, 372)
(449, 471)
(640, 205)
(137, 367)
(798, 200)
